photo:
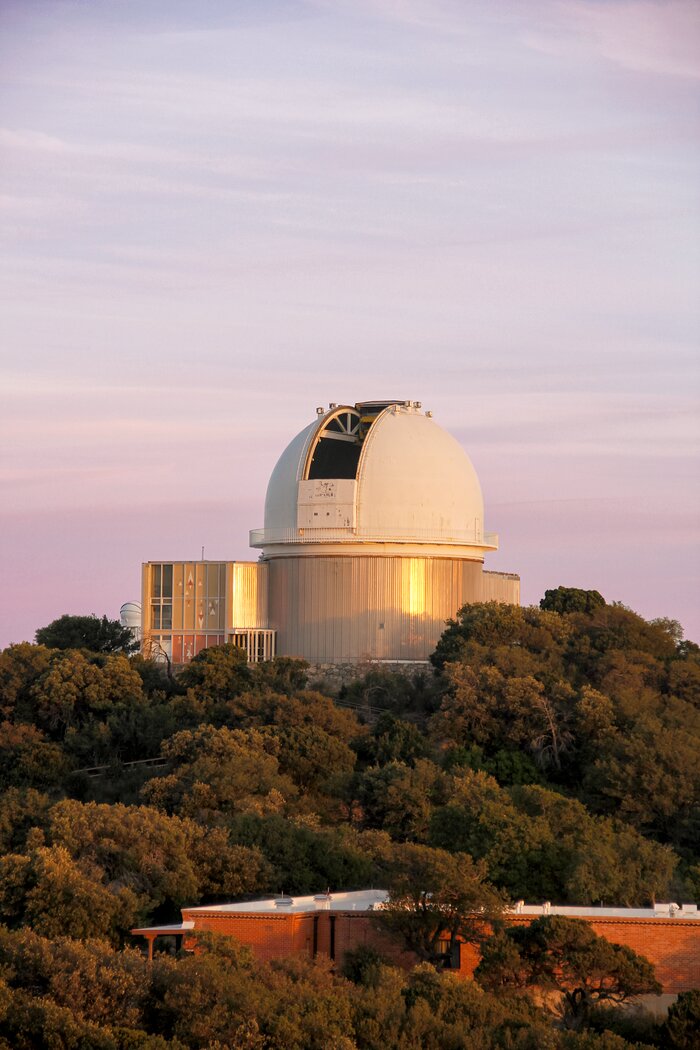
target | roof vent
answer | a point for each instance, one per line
(664, 908)
(320, 411)
(323, 901)
(284, 901)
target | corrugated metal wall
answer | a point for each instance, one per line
(246, 593)
(501, 587)
(345, 609)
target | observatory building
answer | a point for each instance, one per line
(373, 537)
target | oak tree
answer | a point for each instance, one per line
(565, 956)
(98, 634)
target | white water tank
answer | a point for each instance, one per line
(130, 617)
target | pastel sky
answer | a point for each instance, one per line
(218, 215)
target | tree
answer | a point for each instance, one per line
(496, 710)
(90, 978)
(680, 1030)
(489, 622)
(28, 759)
(362, 965)
(309, 708)
(50, 892)
(310, 756)
(565, 956)
(21, 809)
(435, 896)
(538, 844)
(219, 772)
(611, 627)
(219, 672)
(20, 666)
(306, 859)
(389, 691)
(134, 847)
(75, 686)
(119, 863)
(99, 635)
(391, 740)
(165, 860)
(651, 778)
(283, 674)
(571, 599)
(400, 798)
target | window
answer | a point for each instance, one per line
(451, 955)
(162, 596)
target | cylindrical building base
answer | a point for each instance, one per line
(347, 608)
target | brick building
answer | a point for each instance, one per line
(332, 924)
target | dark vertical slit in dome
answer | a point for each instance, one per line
(335, 459)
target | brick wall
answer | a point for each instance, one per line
(270, 936)
(672, 945)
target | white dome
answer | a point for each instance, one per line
(130, 615)
(391, 475)
(282, 489)
(416, 480)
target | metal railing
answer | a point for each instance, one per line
(263, 537)
(93, 772)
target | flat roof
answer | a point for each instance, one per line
(356, 900)
(176, 927)
(368, 900)
(665, 910)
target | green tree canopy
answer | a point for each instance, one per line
(564, 955)
(571, 599)
(436, 896)
(74, 686)
(20, 666)
(219, 772)
(219, 672)
(682, 1026)
(98, 634)
(539, 845)
(400, 798)
(28, 759)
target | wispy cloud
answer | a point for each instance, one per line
(216, 217)
(661, 37)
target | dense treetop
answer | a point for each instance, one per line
(553, 754)
(99, 635)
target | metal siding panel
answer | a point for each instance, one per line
(328, 609)
(501, 587)
(248, 605)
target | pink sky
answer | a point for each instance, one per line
(216, 217)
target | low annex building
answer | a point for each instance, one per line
(374, 536)
(332, 924)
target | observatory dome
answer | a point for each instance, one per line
(374, 472)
